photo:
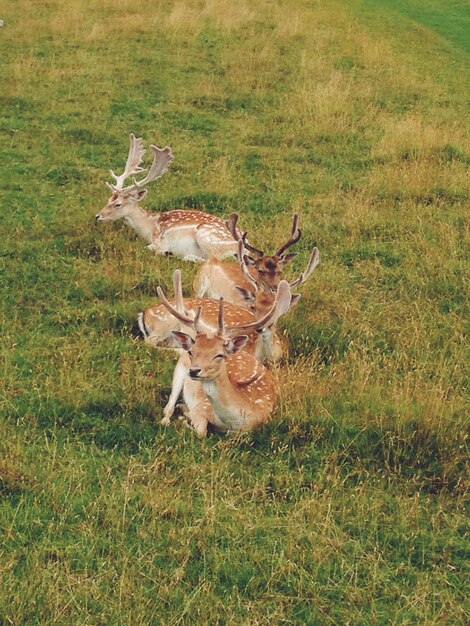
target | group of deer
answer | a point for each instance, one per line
(225, 333)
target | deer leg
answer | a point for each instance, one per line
(198, 418)
(176, 388)
(194, 259)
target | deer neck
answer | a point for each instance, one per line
(268, 346)
(142, 222)
(221, 392)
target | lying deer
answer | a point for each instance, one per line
(226, 280)
(224, 385)
(157, 324)
(192, 235)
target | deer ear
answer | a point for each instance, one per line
(236, 344)
(294, 299)
(183, 340)
(246, 294)
(287, 258)
(141, 194)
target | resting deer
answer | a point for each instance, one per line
(226, 280)
(224, 385)
(192, 235)
(157, 324)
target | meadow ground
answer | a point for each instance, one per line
(349, 507)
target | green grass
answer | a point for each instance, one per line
(449, 18)
(348, 508)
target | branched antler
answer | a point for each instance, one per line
(243, 265)
(294, 236)
(312, 264)
(238, 234)
(134, 159)
(185, 318)
(162, 158)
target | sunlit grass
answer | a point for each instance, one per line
(348, 507)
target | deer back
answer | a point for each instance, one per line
(157, 323)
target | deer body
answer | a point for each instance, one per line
(242, 396)
(192, 235)
(157, 325)
(218, 280)
(238, 388)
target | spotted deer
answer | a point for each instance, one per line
(157, 323)
(215, 279)
(222, 384)
(189, 234)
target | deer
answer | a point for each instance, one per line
(189, 234)
(157, 324)
(215, 279)
(224, 385)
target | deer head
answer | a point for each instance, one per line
(123, 200)
(267, 269)
(208, 351)
(259, 300)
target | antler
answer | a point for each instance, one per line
(231, 224)
(237, 233)
(280, 306)
(312, 264)
(179, 311)
(162, 158)
(243, 266)
(220, 318)
(178, 291)
(185, 318)
(294, 236)
(134, 159)
(251, 248)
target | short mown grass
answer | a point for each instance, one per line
(348, 508)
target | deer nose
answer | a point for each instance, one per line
(98, 217)
(194, 372)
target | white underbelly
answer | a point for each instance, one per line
(182, 242)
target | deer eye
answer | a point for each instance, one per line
(190, 353)
(117, 205)
(219, 356)
(261, 272)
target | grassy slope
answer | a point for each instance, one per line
(348, 507)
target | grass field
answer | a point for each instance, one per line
(348, 508)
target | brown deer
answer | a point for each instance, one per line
(156, 324)
(222, 384)
(192, 235)
(227, 280)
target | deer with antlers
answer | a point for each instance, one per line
(228, 280)
(224, 385)
(192, 235)
(157, 324)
